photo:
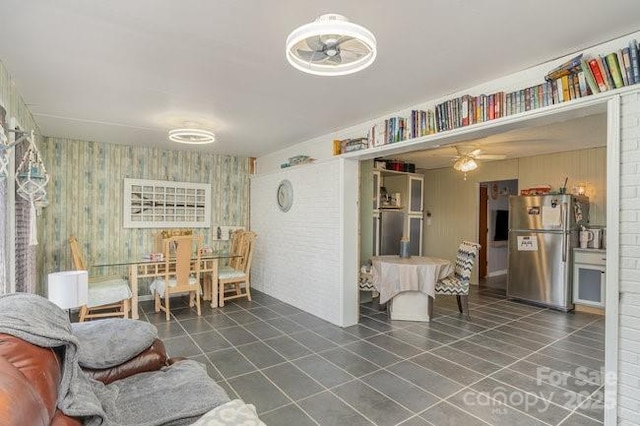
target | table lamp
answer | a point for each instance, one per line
(68, 289)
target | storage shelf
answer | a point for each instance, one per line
(582, 107)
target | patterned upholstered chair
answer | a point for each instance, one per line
(457, 284)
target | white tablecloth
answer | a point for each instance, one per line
(393, 274)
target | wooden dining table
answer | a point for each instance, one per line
(141, 268)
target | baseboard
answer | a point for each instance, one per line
(588, 309)
(497, 273)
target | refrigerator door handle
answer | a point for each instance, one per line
(565, 223)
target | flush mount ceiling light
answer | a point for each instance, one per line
(192, 136)
(331, 46)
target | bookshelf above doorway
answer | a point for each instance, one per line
(580, 109)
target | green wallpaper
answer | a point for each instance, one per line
(86, 198)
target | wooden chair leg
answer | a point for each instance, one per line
(167, 305)
(206, 287)
(221, 298)
(459, 303)
(246, 289)
(125, 308)
(156, 301)
(84, 311)
(198, 301)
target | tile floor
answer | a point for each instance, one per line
(511, 364)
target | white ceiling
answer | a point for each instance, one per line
(126, 71)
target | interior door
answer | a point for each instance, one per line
(483, 230)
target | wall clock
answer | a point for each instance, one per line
(284, 195)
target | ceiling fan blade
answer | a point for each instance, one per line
(349, 55)
(491, 157)
(475, 152)
(315, 43)
(343, 39)
(311, 55)
(336, 59)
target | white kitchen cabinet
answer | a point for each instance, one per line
(406, 192)
(589, 269)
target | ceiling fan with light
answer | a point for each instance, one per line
(467, 161)
(330, 46)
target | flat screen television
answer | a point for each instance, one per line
(501, 228)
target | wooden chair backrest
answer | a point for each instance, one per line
(158, 237)
(246, 244)
(187, 247)
(76, 254)
(234, 249)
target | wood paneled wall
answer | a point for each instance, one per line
(86, 198)
(453, 201)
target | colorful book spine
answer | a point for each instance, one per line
(635, 60)
(591, 81)
(569, 67)
(582, 84)
(623, 73)
(607, 72)
(566, 91)
(627, 68)
(598, 75)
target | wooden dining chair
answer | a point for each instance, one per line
(234, 247)
(108, 296)
(182, 257)
(211, 288)
(234, 282)
(457, 284)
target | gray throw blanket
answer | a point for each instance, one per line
(180, 392)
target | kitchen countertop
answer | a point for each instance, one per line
(592, 250)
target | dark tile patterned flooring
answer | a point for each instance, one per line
(511, 364)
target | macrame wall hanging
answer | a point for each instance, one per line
(31, 183)
(4, 154)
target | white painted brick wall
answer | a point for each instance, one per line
(629, 331)
(297, 256)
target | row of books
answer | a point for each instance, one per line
(602, 72)
(393, 129)
(580, 76)
(467, 109)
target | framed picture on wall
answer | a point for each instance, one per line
(157, 204)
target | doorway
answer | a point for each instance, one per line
(493, 227)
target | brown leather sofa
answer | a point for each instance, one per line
(30, 376)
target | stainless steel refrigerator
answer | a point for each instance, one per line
(391, 231)
(543, 230)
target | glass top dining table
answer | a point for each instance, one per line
(145, 268)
